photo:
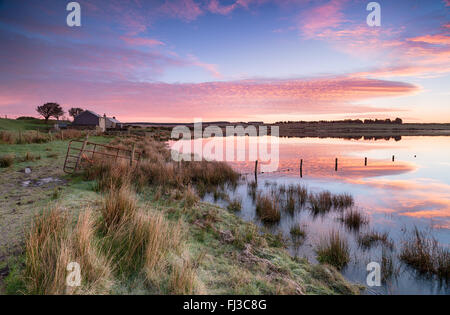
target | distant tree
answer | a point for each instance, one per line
(50, 110)
(398, 121)
(75, 111)
(58, 112)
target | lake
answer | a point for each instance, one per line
(405, 184)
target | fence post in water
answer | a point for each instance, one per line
(301, 168)
(393, 158)
(365, 161)
(256, 170)
(336, 165)
(132, 154)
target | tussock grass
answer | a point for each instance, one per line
(119, 206)
(354, 219)
(321, 203)
(156, 168)
(182, 278)
(190, 197)
(369, 239)
(298, 233)
(235, 205)
(342, 201)
(267, 207)
(425, 255)
(51, 245)
(30, 157)
(6, 160)
(290, 202)
(389, 268)
(334, 250)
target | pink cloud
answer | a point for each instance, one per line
(321, 18)
(140, 41)
(187, 10)
(213, 100)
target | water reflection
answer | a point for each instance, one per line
(396, 196)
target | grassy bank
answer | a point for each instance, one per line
(141, 229)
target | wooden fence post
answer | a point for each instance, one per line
(256, 170)
(393, 158)
(301, 168)
(365, 161)
(336, 165)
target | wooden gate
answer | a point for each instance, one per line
(79, 151)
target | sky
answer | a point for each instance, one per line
(235, 60)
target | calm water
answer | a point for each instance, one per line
(413, 191)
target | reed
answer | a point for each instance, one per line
(426, 255)
(297, 232)
(371, 238)
(267, 207)
(342, 201)
(334, 250)
(320, 202)
(354, 219)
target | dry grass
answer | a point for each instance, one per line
(6, 160)
(334, 250)
(51, 245)
(33, 136)
(182, 278)
(190, 197)
(267, 207)
(425, 255)
(119, 206)
(157, 168)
